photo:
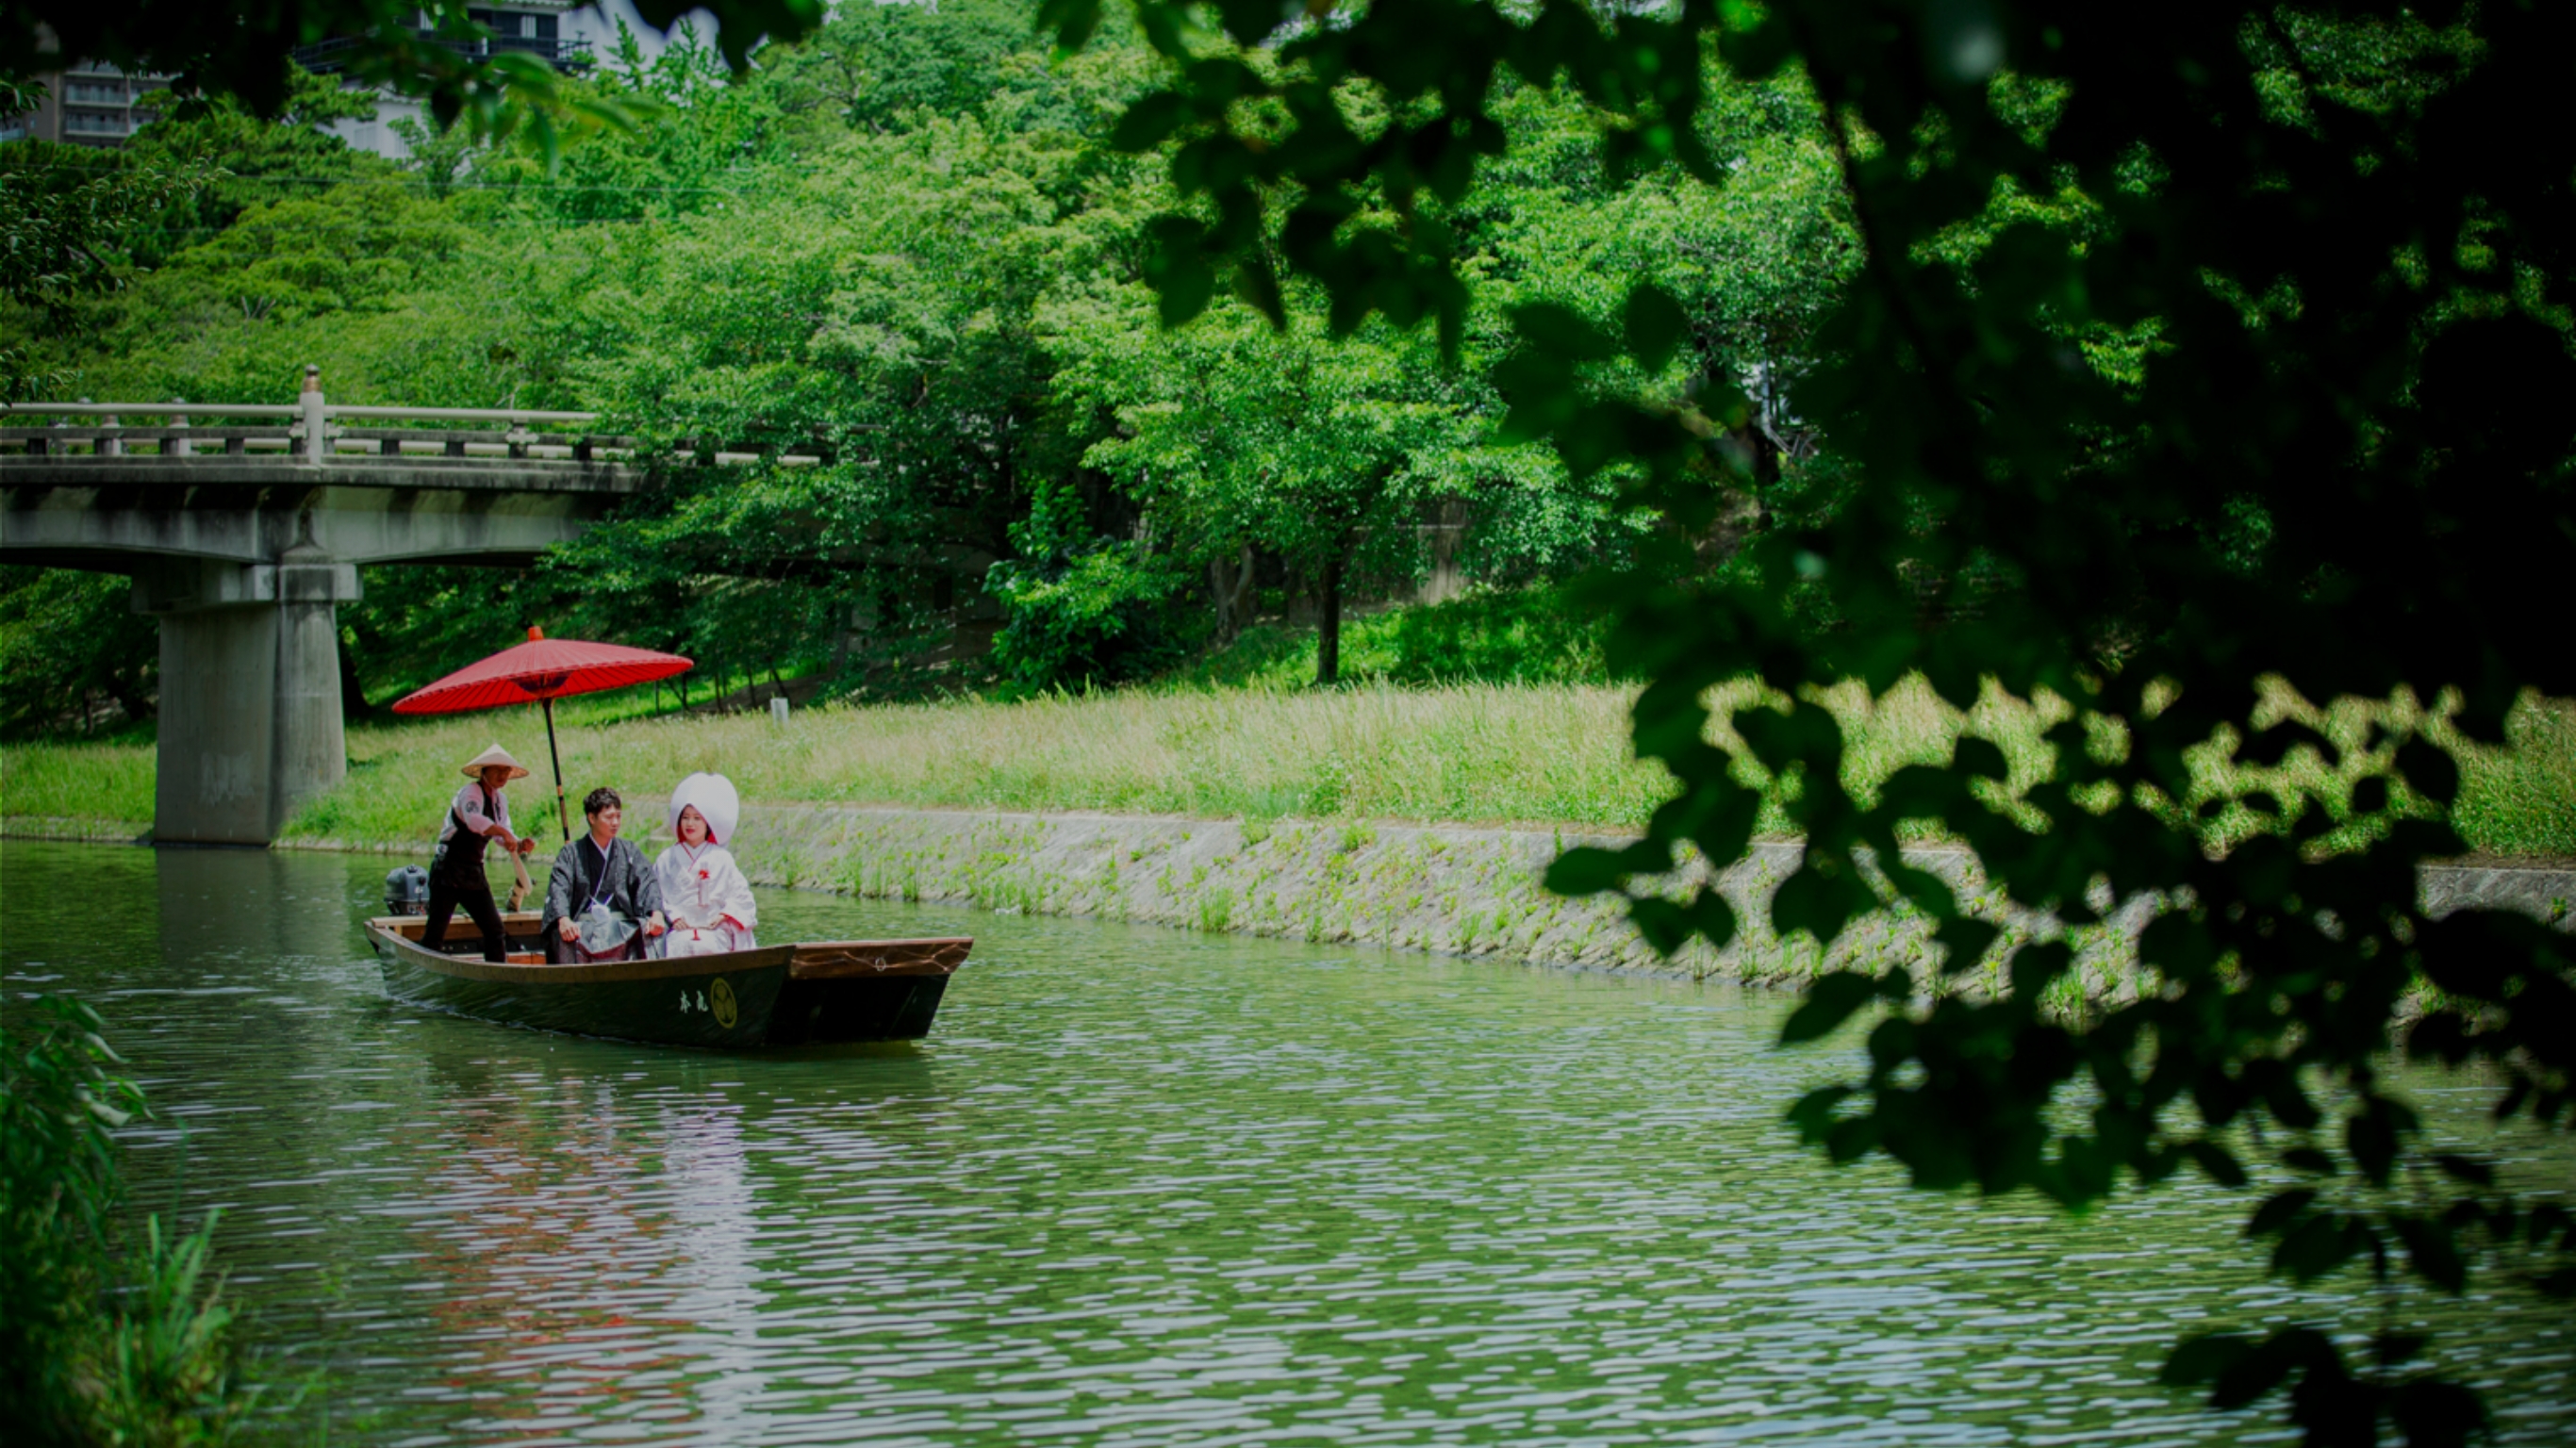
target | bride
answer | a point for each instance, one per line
(708, 900)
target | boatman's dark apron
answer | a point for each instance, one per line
(456, 879)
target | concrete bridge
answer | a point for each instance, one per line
(243, 528)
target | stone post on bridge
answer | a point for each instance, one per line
(250, 692)
(313, 428)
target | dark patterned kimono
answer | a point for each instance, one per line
(628, 886)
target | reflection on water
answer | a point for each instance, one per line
(1140, 1187)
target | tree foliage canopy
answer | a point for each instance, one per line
(911, 241)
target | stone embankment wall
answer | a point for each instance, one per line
(79, 831)
(1450, 888)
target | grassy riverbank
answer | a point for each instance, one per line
(1544, 754)
(83, 790)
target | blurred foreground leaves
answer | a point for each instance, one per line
(2197, 356)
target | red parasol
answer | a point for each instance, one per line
(545, 670)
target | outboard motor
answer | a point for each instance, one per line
(407, 891)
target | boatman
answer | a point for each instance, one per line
(478, 816)
(600, 891)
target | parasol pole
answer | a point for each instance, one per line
(563, 816)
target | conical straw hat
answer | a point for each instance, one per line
(495, 755)
(715, 798)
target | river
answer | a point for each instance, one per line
(1140, 1187)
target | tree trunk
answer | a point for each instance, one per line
(1230, 579)
(128, 698)
(1328, 626)
(1755, 449)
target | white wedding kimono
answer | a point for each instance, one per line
(707, 899)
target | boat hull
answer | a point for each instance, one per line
(898, 1008)
(782, 995)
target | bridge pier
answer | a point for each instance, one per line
(250, 692)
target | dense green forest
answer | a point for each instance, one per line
(912, 239)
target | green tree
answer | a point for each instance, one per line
(877, 69)
(248, 159)
(1232, 444)
(1234, 436)
(2195, 358)
(70, 643)
(296, 249)
(1754, 264)
(415, 622)
(694, 142)
(362, 278)
(878, 299)
(65, 228)
(66, 638)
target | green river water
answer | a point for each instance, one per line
(1139, 1187)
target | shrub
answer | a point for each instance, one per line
(1099, 616)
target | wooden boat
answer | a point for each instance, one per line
(777, 995)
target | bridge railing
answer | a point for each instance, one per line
(173, 430)
(317, 431)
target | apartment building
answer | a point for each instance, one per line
(569, 35)
(532, 27)
(86, 105)
(95, 104)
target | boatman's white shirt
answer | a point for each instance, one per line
(469, 808)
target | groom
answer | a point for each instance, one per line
(600, 869)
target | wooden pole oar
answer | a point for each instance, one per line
(519, 891)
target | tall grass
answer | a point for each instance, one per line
(78, 781)
(2521, 799)
(1544, 753)
(1538, 753)
(103, 1339)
